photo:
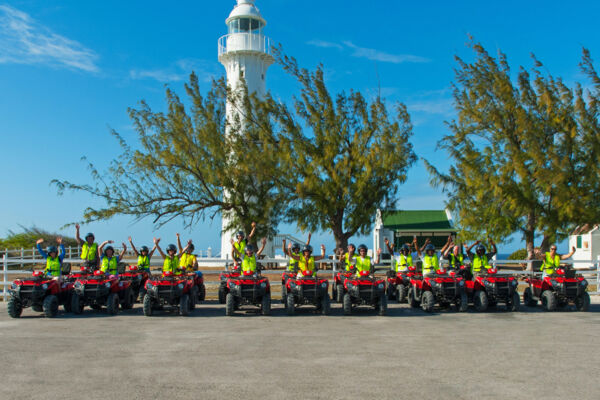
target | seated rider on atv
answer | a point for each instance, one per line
(348, 259)
(480, 260)
(53, 258)
(110, 262)
(188, 261)
(363, 261)
(240, 243)
(171, 264)
(306, 261)
(143, 256)
(89, 249)
(430, 261)
(403, 260)
(249, 258)
(552, 260)
(295, 250)
(454, 255)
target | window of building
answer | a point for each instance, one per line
(579, 241)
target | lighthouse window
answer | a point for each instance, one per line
(244, 24)
(234, 26)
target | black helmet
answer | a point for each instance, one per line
(308, 248)
(362, 247)
(240, 233)
(171, 247)
(51, 249)
(144, 248)
(352, 245)
(405, 248)
(107, 248)
(249, 247)
(296, 247)
(430, 247)
(191, 247)
(89, 235)
(480, 249)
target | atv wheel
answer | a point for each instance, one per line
(76, 304)
(202, 293)
(582, 303)
(184, 304)
(347, 304)
(14, 307)
(414, 303)
(283, 295)
(528, 298)
(326, 305)
(193, 297)
(229, 305)
(50, 306)
(427, 301)
(463, 304)
(401, 293)
(339, 293)
(549, 300)
(37, 307)
(480, 300)
(112, 304)
(128, 300)
(147, 305)
(382, 306)
(67, 304)
(265, 305)
(334, 291)
(222, 295)
(290, 307)
(514, 304)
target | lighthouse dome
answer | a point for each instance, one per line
(246, 9)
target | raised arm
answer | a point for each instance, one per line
(123, 251)
(133, 247)
(308, 240)
(181, 251)
(61, 247)
(234, 251)
(471, 246)
(322, 256)
(387, 244)
(447, 245)
(77, 237)
(179, 242)
(152, 251)
(263, 243)
(565, 256)
(493, 245)
(285, 250)
(253, 231)
(378, 256)
(158, 247)
(38, 244)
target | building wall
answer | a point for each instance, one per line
(593, 247)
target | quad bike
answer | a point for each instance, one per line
(398, 284)
(170, 291)
(307, 290)
(442, 287)
(337, 288)
(223, 278)
(364, 289)
(138, 279)
(98, 289)
(248, 288)
(198, 292)
(489, 289)
(41, 293)
(285, 277)
(557, 290)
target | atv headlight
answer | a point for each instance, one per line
(263, 285)
(45, 286)
(324, 285)
(13, 286)
(78, 285)
(584, 283)
(514, 282)
(461, 283)
(180, 286)
(149, 286)
(554, 282)
(350, 285)
(107, 284)
(380, 286)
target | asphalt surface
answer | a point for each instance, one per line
(407, 354)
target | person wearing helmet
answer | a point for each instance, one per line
(480, 260)
(552, 260)
(240, 242)
(108, 260)
(363, 261)
(188, 260)
(143, 256)
(430, 260)
(404, 259)
(453, 253)
(171, 263)
(249, 257)
(53, 257)
(306, 261)
(295, 250)
(348, 258)
(89, 249)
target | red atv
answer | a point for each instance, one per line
(557, 290)
(307, 290)
(441, 287)
(41, 293)
(223, 278)
(337, 288)
(138, 279)
(398, 284)
(199, 290)
(364, 290)
(248, 289)
(98, 289)
(171, 290)
(285, 277)
(489, 289)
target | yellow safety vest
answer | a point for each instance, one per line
(363, 264)
(454, 259)
(347, 261)
(304, 265)
(109, 265)
(187, 261)
(143, 262)
(171, 265)
(430, 264)
(88, 252)
(403, 262)
(52, 266)
(479, 262)
(293, 264)
(550, 264)
(249, 264)
(240, 247)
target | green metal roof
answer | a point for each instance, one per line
(417, 220)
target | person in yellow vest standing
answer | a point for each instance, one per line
(363, 261)
(295, 250)
(348, 259)
(144, 256)
(480, 261)
(552, 260)
(108, 260)
(306, 261)
(248, 259)
(171, 263)
(238, 246)
(89, 249)
(53, 257)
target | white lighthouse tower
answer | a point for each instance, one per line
(244, 52)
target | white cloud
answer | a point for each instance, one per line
(23, 40)
(443, 107)
(370, 54)
(178, 71)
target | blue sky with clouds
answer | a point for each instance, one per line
(70, 69)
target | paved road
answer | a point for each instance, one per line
(408, 354)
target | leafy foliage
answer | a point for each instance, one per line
(520, 254)
(29, 236)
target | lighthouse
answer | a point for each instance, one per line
(245, 52)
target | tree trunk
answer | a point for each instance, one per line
(341, 239)
(529, 239)
(545, 246)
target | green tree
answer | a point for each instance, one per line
(187, 157)
(524, 151)
(345, 156)
(29, 236)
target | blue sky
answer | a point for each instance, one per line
(70, 69)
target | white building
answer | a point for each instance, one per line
(586, 240)
(244, 52)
